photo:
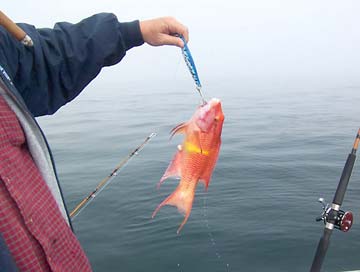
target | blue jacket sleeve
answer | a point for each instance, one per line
(65, 59)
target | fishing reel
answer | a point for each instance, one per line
(341, 220)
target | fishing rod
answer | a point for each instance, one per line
(15, 30)
(83, 204)
(192, 68)
(332, 216)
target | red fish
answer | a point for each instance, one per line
(196, 157)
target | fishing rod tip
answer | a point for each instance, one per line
(356, 143)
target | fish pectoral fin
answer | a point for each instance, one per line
(182, 199)
(180, 128)
(174, 168)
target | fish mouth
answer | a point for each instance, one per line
(213, 102)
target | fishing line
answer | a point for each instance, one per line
(189, 61)
(106, 181)
(177, 68)
(211, 236)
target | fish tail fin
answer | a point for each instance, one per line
(183, 199)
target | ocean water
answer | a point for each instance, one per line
(283, 146)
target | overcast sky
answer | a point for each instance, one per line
(260, 38)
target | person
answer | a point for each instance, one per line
(35, 228)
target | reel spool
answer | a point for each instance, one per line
(341, 220)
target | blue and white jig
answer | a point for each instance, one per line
(192, 68)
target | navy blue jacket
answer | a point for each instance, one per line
(64, 59)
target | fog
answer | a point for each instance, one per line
(229, 39)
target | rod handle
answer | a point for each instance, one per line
(321, 251)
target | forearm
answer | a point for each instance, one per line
(66, 58)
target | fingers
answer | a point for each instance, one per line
(171, 40)
(161, 31)
(177, 28)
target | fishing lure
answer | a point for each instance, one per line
(192, 68)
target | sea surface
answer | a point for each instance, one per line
(284, 145)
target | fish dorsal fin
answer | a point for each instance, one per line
(180, 128)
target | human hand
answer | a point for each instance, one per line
(161, 31)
